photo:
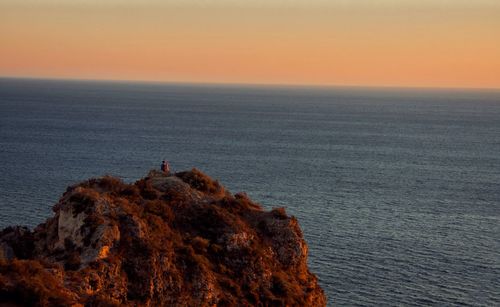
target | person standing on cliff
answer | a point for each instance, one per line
(165, 167)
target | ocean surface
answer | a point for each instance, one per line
(397, 191)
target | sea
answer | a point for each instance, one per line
(397, 191)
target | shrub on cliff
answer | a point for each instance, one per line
(29, 283)
(201, 182)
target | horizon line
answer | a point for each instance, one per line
(250, 84)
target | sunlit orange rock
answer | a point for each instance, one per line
(171, 240)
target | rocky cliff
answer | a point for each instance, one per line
(166, 240)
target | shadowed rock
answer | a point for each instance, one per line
(175, 240)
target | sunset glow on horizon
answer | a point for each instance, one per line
(391, 43)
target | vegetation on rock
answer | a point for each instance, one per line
(171, 240)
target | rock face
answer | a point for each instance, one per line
(167, 240)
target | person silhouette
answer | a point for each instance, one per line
(165, 167)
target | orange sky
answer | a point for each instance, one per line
(391, 43)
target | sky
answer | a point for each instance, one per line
(410, 43)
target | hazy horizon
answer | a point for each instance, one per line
(239, 84)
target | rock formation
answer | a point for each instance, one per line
(166, 240)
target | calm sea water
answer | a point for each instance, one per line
(397, 192)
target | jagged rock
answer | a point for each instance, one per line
(171, 240)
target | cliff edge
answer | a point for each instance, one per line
(166, 240)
